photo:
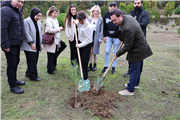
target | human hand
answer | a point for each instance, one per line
(33, 46)
(77, 45)
(60, 28)
(7, 49)
(70, 39)
(42, 47)
(104, 39)
(115, 56)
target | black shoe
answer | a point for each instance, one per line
(113, 70)
(89, 68)
(37, 79)
(17, 90)
(51, 73)
(94, 68)
(104, 69)
(27, 76)
(127, 74)
(20, 83)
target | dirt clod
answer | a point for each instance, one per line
(100, 103)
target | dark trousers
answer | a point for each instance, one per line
(13, 59)
(135, 70)
(52, 58)
(85, 55)
(73, 57)
(32, 59)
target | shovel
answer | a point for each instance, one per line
(100, 81)
(82, 85)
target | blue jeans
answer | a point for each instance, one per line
(135, 70)
(109, 42)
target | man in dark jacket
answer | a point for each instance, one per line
(12, 35)
(110, 37)
(142, 18)
(135, 44)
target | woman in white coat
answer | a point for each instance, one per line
(53, 51)
(32, 43)
(97, 24)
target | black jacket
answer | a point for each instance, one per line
(12, 25)
(110, 29)
(142, 17)
(134, 40)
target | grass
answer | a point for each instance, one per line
(47, 99)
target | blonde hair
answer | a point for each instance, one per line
(51, 10)
(95, 6)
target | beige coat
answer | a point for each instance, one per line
(70, 30)
(52, 26)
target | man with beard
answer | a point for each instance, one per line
(142, 18)
(135, 44)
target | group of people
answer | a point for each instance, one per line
(114, 27)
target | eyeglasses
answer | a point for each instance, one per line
(137, 3)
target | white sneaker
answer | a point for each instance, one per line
(136, 87)
(125, 92)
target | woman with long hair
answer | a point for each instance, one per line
(97, 25)
(53, 51)
(70, 32)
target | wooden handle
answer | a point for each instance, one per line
(112, 61)
(79, 57)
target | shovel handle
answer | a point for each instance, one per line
(79, 57)
(112, 61)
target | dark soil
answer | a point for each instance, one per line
(100, 103)
(166, 32)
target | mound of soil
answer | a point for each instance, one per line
(167, 32)
(100, 103)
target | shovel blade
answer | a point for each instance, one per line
(99, 83)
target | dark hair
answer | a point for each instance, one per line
(141, 1)
(51, 10)
(116, 12)
(69, 15)
(113, 4)
(81, 15)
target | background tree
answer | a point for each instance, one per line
(151, 4)
(168, 10)
(144, 5)
(157, 16)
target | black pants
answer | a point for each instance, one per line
(74, 57)
(32, 59)
(13, 59)
(85, 54)
(52, 58)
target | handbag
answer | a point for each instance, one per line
(48, 38)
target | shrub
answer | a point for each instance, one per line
(173, 25)
(122, 6)
(161, 26)
(26, 12)
(179, 30)
(61, 18)
(177, 10)
(104, 9)
(129, 7)
(157, 25)
(150, 16)
(144, 5)
(178, 22)
(157, 16)
(63, 8)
